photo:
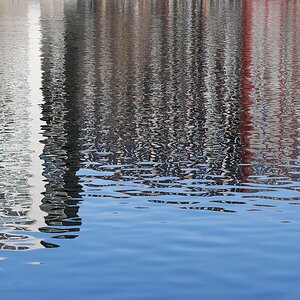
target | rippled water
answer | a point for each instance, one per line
(154, 145)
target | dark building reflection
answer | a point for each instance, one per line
(60, 112)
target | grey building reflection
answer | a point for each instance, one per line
(156, 91)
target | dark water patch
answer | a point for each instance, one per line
(264, 205)
(173, 202)
(228, 202)
(210, 208)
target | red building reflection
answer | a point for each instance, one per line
(246, 85)
(269, 72)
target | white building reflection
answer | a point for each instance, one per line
(20, 96)
(33, 174)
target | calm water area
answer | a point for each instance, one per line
(150, 149)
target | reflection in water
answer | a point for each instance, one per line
(162, 98)
(23, 184)
(184, 100)
(274, 94)
(175, 124)
(19, 211)
(190, 103)
(60, 115)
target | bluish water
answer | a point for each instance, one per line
(149, 149)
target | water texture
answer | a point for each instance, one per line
(149, 149)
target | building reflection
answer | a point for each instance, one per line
(154, 93)
(161, 86)
(20, 213)
(269, 90)
(187, 86)
(60, 112)
(38, 182)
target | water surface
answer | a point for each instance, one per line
(150, 149)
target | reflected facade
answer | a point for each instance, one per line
(20, 213)
(60, 114)
(163, 102)
(37, 140)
